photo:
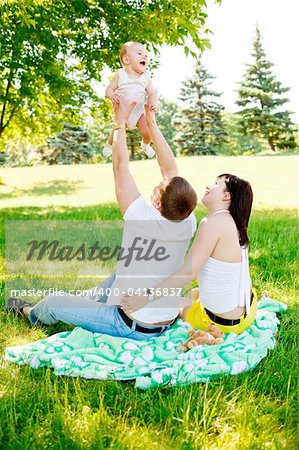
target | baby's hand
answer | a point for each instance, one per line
(115, 98)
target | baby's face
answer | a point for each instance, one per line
(136, 58)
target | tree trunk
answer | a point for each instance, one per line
(202, 127)
(5, 102)
(272, 146)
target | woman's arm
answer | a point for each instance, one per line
(206, 238)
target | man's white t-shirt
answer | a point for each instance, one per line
(159, 246)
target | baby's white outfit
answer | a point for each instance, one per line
(130, 90)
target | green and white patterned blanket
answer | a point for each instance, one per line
(156, 362)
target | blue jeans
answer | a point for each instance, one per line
(89, 312)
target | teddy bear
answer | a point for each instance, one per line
(211, 336)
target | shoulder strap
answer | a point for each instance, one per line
(245, 282)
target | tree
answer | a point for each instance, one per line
(165, 118)
(51, 51)
(134, 145)
(260, 96)
(38, 78)
(166, 112)
(237, 143)
(3, 158)
(200, 123)
(100, 126)
(70, 146)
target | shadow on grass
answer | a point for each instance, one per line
(279, 153)
(57, 187)
(108, 211)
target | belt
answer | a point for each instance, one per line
(226, 322)
(221, 320)
(128, 321)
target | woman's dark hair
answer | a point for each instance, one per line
(240, 205)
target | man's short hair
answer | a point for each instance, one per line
(178, 199)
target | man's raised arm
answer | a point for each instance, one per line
(164, 154)
(125, 187)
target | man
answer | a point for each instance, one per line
(168, 219)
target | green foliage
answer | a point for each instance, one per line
(200, 125)
(50, 52)
(69, 146)
(165, 118)
(20, 152)
(260, 96)
(40, 76)
(99, 125)
(134, 145)
(236, 142)
(3, 158)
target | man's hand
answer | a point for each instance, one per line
(131, 303)
(164, 154)
(150, 114)
(121, 114)
(153, 106)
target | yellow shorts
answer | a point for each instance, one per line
(198, 318)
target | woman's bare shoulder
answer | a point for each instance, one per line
(217, 218)
(221, 222)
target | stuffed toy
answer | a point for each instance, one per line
(211, 336)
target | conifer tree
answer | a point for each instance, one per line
(261, 97)
(3, 158)
(69, 146)
(200, 122)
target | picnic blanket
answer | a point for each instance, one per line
(156, 362)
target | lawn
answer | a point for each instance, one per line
(274, 179)
(254, 410)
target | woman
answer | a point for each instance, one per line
(219, 259)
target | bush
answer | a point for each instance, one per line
(19, 153)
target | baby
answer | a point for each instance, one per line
(132, 83)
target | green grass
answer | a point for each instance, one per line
(255, 410)
(274, 179)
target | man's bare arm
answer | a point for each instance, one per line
(125, 187)
(164, 154)
(152, 99)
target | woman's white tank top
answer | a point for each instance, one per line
(223, 286)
